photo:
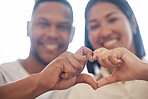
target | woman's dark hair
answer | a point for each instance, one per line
(38, 2)
(126, 9)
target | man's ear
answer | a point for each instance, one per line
(134, 24)
(28, 28)
(71, 34)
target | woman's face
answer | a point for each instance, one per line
(108, 27)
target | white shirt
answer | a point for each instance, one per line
(14, 71)
(136, 89)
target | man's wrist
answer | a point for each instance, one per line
(37, 88)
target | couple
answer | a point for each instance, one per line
(109, 24)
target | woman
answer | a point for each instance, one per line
(126, 66)
(135, 44)
(111, 24)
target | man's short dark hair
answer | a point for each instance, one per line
(65, 2)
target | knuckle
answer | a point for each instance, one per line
(103, 59)
(67, 52)
(83, 47)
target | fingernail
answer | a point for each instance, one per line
(81, 67)
(92, 59)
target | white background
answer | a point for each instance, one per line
(14, 14)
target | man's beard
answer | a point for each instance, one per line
(36, 55)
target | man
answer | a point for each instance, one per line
(61, 73)
(50, 33)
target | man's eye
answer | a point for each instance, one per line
(43, 24)
(64, 28)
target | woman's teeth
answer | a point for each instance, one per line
(111, 42)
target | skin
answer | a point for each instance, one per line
(126, 66)
(65, 70)
(108, 27)
(49, 32)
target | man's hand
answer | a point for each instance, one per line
(62, 73)
(65, 71)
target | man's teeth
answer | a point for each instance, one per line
(111, 42)
(52, 47)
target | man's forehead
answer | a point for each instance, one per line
(52, 8)
(53, 11)
(58, 4)
(52, 4)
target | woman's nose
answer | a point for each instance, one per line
(105, 31)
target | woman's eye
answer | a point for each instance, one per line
(94, 27)
(113, 20)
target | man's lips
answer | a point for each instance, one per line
(51, 46)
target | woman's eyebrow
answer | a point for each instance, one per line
(110, 14)
(91, 21)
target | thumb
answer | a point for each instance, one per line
(107, 80)
(85, 78)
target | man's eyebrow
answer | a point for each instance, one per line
(66, 23)
(42, 18)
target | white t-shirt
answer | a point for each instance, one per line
(14, 71)
(135, 89)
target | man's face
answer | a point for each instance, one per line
(50, 29)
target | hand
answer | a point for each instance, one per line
(65, 71)
(126, 66)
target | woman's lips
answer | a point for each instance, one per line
(110, 43)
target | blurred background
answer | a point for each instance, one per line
(14, 14)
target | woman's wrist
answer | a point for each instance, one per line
(143, 75)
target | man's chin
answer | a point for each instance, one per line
(49, 59)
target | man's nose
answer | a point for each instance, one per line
(52, 32)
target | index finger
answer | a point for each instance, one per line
(85, 51)
(97, 52)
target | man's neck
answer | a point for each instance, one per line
(32, 65)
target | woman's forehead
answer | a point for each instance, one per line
(103, 9)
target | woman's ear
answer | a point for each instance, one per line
(134, 24)
(28, 28)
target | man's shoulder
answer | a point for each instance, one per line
(12, 71)
(10, 65)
